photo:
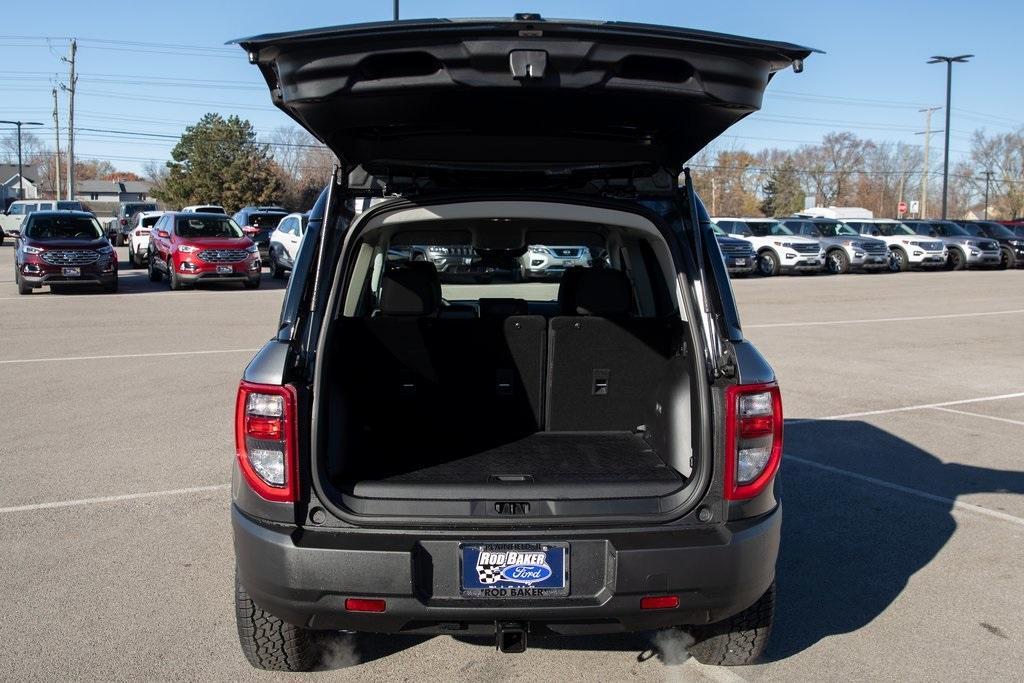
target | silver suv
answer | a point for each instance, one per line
(549, 262)
(845, 248)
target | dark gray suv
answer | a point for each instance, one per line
(617, 439)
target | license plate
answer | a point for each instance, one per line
(514, 570)
(71, 272)
(224, 270)
(740, 262)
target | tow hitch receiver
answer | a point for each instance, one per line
(510, 636)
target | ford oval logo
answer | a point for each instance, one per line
(526, 573)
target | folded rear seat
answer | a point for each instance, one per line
(604, 364)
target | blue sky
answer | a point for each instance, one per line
(871, 81)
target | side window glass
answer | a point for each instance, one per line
(288, 226)
(29, 208)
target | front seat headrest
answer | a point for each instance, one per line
(567, 287)
(602, 292)
(412, 289)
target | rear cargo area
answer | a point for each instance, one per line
(580, 396)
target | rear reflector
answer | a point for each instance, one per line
(753, 438)
(265, 440)
(659, 602)
(365, 605)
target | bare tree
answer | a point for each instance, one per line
(1003, 154)
(830, 167)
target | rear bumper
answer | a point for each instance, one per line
(305, 578)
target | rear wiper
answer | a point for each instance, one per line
(712, 334)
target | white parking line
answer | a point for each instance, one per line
(967, 507)
(112, 499)
(883, 320)
(125, 355)
(987, 417)
(922, 406)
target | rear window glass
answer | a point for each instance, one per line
(132, 209)
(69, 206)
(149, 221)
(206, 226)
(265, 220)
(62, 227)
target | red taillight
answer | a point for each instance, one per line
(265, 438)
(659, 602)
(365, 605)
(753, 438)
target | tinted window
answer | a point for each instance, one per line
(972, 229)
(132, 209)
(769, 228)
(43, 227)
(69, 206)
(948, 229)
(265, 221)
(996, 230)
(206, 226)
(149, 221)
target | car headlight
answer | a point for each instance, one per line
(253, 248)
(187, 248)
(32, 250)
(538, 250)
(105, 250)
(438, 250)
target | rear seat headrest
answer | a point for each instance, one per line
(412, 289)
(604, 292)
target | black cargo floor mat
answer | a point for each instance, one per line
(544, 465)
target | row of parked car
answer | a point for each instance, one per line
(808, 243)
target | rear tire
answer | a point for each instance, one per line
(276, 271)
(252, 284)
(112, 287)
(1006, 259)
(738, 640)
(768, 263)
(268, 642)
(154, 274)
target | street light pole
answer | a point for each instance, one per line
(21, 174)
(949, 84)
(988, 178)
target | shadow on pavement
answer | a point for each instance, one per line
(849, 548)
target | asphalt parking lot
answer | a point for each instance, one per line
(903, 485)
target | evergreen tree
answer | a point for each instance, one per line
(783, 193)
(219, 161)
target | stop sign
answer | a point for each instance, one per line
(902, 208)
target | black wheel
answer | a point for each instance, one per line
(154, 274)
(768, 263)
(23, 288)
(111, 287)
(418, 256)
(172, 277)
(898, 261)
(133, 258)
(957, 260)
(276, 271)
(837, 262)
(738, 640)
(268, 642)
(252, 284)
(1006, 259)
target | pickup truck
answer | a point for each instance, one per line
(596, 454)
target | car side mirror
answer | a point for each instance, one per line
(163, 234)
(747, 233)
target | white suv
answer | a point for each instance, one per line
(284, 243)
(138, 237)
(778, 249)
(907, 249)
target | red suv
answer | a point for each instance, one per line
(202, 247)
(63, 248)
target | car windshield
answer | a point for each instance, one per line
(265, 220)
(830, 229)
(1019, 230)
(768, 228)
(949, 229)
(997, 230)
(43, 227)
(717, 230)
(206, 226)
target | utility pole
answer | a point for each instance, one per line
(396, 10)
(927, 133)
(988, 179)
(70, 87)
(56, 130)
(960, 59)
(21, 173)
